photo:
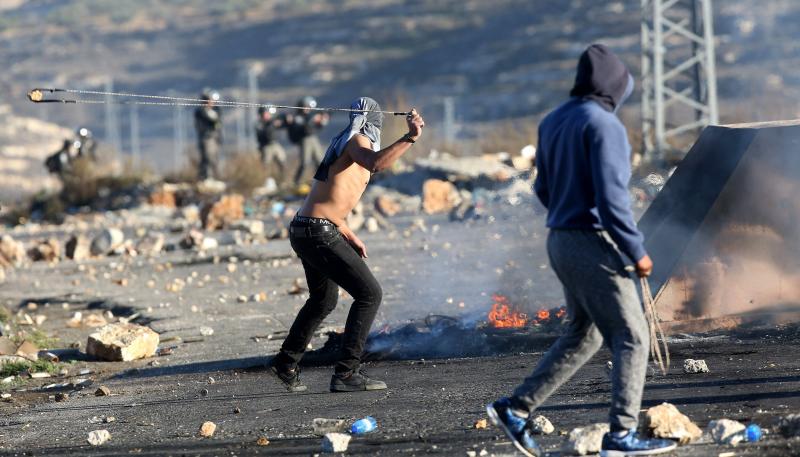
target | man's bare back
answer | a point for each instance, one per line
(349, 175)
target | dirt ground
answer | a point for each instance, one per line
(431, 406)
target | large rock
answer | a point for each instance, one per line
(48, 250)
(439, 196)
(78, 248)
(585, 440)
(726, 431)
(665, 421)
(335, 442)
(107, 241)
(12, 252)
(224, 212)
(122, 342)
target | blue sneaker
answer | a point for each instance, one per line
(514, 426)
(633, 444)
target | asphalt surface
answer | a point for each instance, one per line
(431, 406)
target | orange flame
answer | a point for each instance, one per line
(501, 315)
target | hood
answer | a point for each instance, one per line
(602, 77)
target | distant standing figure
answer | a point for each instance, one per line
(208, 124)
(81, 146)
(269, 148)
(302, 128)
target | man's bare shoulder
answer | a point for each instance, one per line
(359, 141)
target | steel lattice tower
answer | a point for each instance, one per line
(679, 79)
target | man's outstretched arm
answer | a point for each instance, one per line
(361, 152)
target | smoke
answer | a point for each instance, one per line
(745, 255)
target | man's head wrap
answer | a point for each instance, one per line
(367, 123)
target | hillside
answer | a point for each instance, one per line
(498, 60)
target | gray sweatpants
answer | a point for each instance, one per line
(602, 305)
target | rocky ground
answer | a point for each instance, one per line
(221, 311)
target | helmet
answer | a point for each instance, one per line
(209, 94)
(83, 132)
(307, 102)
(266, 109)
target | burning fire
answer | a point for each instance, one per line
(503, 315)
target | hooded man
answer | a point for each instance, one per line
(583, 164)
(332, 255)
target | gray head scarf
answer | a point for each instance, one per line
(366, 123)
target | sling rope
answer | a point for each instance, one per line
(654, 325)
(40, 95)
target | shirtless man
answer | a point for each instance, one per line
(333, 255)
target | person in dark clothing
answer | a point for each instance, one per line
(332, 255)
(302, 128)
(208, 125)
(583, 165)
(269, 149)
(82, 146)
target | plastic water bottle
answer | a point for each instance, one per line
(365, 425)
(753, 433)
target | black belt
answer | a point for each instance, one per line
(307, 231)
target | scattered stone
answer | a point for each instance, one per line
(102, 391)
(324, 426)
(665, 421)
(62, 396)
(223, 213)
(108, 241)
(789, 426)
(262, 441)
(356, 218)
(252, 226)
(191, 213)
(372, 225)
(211, 187)
(122, 342)
(39, 375)
(726, 431)
(12, 252)
(93, 320)
(78, 248)
(692, 366)
(585, 440)
(162, 196)
(387, 205)
(481, 424)
(335, 442)
(28, 350)
(207, 429)
(98, 437)
(439, 196)
(206, 331)
(47, 251)
(151, 244)
(542, 425)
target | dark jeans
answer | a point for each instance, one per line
(329, 262)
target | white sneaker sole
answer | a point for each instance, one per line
(500, 424)
(662, 450)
